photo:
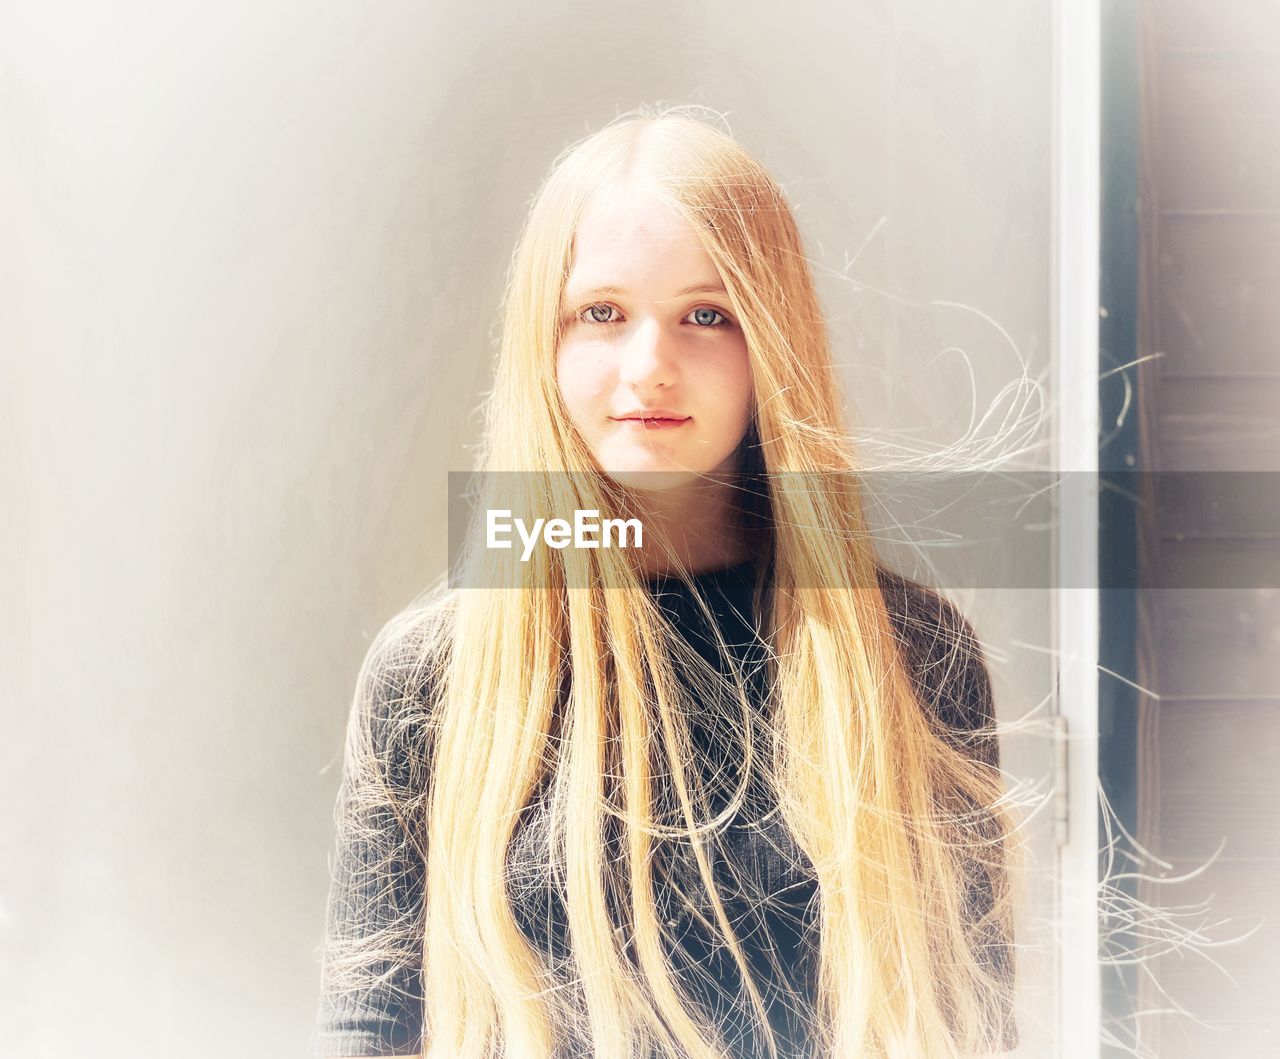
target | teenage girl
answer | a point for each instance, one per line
(735, 793)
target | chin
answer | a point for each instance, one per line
(651, 480)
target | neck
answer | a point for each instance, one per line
(693, 526)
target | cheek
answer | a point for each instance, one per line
(579, 378)
(735, 384)
(745, 376)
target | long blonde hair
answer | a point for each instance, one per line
(577, 688)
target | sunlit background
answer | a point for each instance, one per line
(253, 257)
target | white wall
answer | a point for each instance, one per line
(252, 262)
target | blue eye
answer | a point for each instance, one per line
(592, 310)
(705, 316)
(703, 322)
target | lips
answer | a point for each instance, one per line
(654, 422)
(656, 415)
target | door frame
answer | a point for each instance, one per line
(1076, 242)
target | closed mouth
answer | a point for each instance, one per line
(650, 419)
(655, 423)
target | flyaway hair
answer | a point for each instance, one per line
(562, 685)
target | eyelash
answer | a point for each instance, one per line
(724, 319)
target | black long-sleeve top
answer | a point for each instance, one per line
(772, 912)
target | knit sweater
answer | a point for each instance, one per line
(768, 886)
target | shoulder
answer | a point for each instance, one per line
(942, 652)
(405, 656)
(923, 618)
(393, 710)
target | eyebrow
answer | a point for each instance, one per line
(608, 288)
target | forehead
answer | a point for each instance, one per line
(633, 240)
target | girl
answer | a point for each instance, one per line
(733, 794)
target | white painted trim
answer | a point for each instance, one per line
(1076, 238)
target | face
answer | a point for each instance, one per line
(652, 367)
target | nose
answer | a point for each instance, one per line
(648, 358)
